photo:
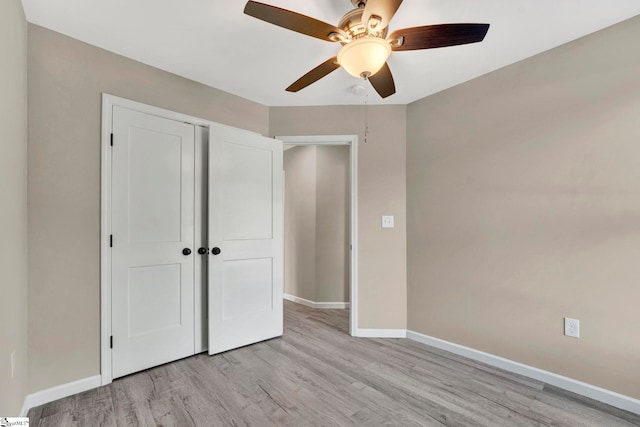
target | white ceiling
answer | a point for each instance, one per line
(213, 42)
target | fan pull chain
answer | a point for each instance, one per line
(366, 110)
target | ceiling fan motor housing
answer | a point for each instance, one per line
(353, 26)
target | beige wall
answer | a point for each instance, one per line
(13, 202)
(66, 79)
(523, 194)
(317, 223)
(381, 161)
(300, 222)
(332, 224)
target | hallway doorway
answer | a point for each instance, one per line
(321, 222)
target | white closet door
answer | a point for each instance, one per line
(246, 226)
(152, 223)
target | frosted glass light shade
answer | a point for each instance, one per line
(364, 57)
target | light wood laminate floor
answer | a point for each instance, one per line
(317, 375)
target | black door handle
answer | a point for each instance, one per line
(186, 251)
(203, 251)
(216, 251)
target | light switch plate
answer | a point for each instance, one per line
(571, 327)
(388, 221)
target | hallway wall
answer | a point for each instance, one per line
(300, 222)
(317, 215)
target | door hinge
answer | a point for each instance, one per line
(111, 341)
(110, 240)
(112, 140)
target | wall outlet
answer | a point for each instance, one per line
(387, 221)
(13, 363)
(571, 327)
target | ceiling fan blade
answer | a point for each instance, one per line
(385, 9)
(382, 82)
(432, 36)
(314, 75)
(292, 21)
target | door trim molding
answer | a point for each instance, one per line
(352, 142)
(108, 102)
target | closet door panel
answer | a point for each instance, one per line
(152, 225)
(246, 226)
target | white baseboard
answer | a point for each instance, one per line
(381, 333)
(58, 392)
(313, 304)
(600, 394)
(332, 305)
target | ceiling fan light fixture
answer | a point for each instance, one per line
(363, 35)
(365, 56)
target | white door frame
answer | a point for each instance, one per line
(108, 102)
(352, 142)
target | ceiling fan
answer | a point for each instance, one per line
(366, 46)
